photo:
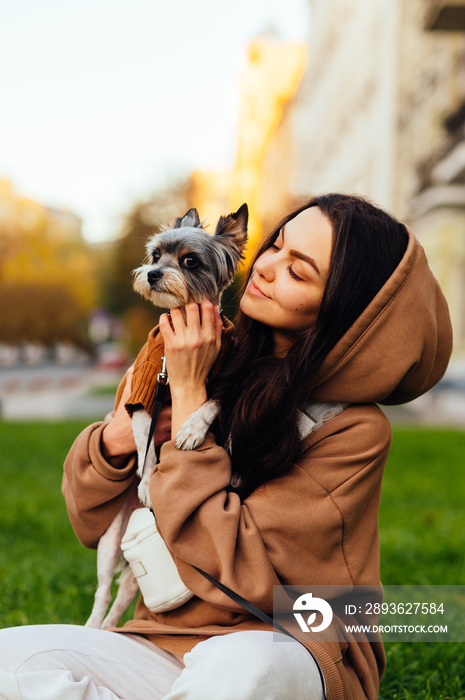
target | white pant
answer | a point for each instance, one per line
(68, 662)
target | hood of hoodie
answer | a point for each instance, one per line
(399, 347)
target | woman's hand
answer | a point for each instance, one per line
(191, 348)
(117, 441)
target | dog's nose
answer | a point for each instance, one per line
(154, 275)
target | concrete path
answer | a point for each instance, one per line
(51, 393)
(54, 392)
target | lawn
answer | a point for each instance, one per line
(423, 542)
(47, 576)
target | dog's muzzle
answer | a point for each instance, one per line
(153, 276)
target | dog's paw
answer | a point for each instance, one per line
(194, 430)
(189, 437)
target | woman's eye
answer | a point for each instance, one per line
(274, 247)
(190, 261)
(292, 274)
(155, 256)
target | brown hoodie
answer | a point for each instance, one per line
(318, 524)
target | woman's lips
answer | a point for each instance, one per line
(255, 291)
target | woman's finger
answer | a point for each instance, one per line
(164, 325)
(177, 319)
(218, 327)
(193, 318)
(208, 319)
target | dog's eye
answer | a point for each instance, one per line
(190, 261)
(155, 256)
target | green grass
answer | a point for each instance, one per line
(47, 576)
(103, 390)
(423, 542)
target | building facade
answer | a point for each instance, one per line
(379, 113)
(271, 77)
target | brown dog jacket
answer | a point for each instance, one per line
(149, 363)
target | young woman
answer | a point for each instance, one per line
(339, 306)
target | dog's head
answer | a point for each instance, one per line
(185, 263)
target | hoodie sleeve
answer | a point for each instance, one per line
(94, 490)
(315, 525)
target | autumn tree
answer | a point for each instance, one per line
(47, 278)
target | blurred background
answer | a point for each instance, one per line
(119, 116)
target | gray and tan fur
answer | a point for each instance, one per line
(184, 264)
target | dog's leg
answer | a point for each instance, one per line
(141, 427)
(193, 431)
(108, 554)
(128, 588)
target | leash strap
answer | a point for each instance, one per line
(160, 391)
(264, 617)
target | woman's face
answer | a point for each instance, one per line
(288, 279)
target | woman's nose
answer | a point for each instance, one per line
(264, 267)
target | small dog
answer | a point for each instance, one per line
(184, 264)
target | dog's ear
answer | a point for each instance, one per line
(234, 226)
(190, 218)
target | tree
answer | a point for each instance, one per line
(47, 277)
(43, 312)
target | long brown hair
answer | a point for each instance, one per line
(260, 393)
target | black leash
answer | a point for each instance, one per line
(258, 612)
(160, 391)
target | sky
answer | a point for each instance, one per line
(104, 101)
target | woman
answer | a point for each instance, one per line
(340, 305)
